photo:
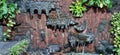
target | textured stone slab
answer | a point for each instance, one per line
(5, 46)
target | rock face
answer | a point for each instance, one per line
(81, 27)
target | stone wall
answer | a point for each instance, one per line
(97, 22)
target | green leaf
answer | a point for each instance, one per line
(5, 33)
(83, 1)
(5, 39)
(8, 35)
(9, 30)
(100, 3)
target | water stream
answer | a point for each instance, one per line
(83, 48)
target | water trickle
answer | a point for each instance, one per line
(83, 48)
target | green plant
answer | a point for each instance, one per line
(115, 30)
(7, 13)
(19, 47)
(100, 3)
(77, 8)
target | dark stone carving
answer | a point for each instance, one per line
(81, 27)
(104, 47)
(90, 37)
(42, 35)
(80, 39)
(72, 40)
(109, 49)
(62, 22)
(32, 6)
(100, 48)
(40, 6)
(101, 26)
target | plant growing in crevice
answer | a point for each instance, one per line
(7, 14)
(77, 8)
(19, 47)
(100, 3)
(115, 30)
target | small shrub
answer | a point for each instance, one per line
(77, 8)
(19, 47)
(115, 30)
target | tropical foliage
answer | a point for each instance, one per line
(7, 13)
(115, 30)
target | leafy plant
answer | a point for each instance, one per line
(115, 30)
(7, 13)
(100, 3)
(18, 48)
(77, 8)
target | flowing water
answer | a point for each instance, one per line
(83, 48)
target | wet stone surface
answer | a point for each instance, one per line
(1, 32)
(5, 46)
(48, 51)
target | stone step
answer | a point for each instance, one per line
(21, 36)
(21, 30)
(26, 27)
